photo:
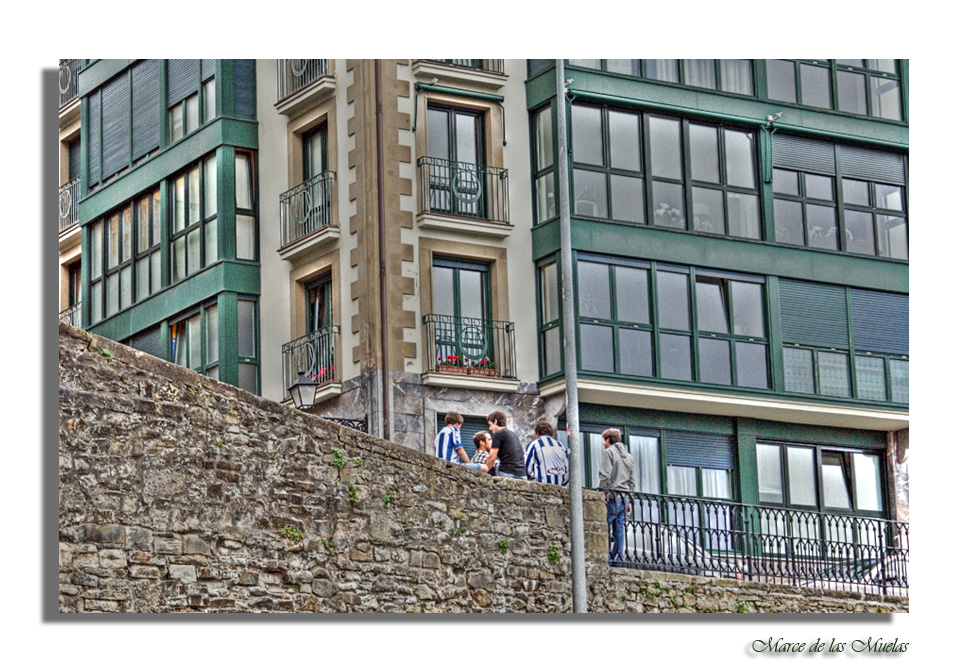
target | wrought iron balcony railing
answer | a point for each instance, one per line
(307, 207)
(67, 80)
(67, 204)
(294, 74)
(314, 354)
(463, 189)
(488, 64)
(762, 543)
(72, 315)
(469, 346)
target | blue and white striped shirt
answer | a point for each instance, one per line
(447, 443)
(546, 461)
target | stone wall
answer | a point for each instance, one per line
(179, 493)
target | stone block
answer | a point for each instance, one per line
(112, 559)
(248, 578)
(104, 534)
(137, 539)
(194, 544)
(183, 573)
(144, 571)
(168, 546)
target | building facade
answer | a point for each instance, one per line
(391, 229)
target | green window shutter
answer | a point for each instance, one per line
(149, 341)
(116, 124)
(879, 321)
(208, 68)
(94, 138)
(813, 156)
(813, 314)
(871, 164)
(145, 94)
(182, 79)
(695, 449)
(245, 88)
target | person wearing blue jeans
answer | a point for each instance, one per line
(616, 472)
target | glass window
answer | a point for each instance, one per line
(834, 376)
(245, 228)
(597, 348)
(801, 476)
(587, 135)
(673, 293)
(631, 294)
(833, 469)
(769, 473)
(593, 290)
(635, 352)
(867, 482)
(711, 304)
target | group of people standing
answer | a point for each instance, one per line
(498, 450)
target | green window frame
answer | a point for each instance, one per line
(543, 164)
(246, 207)
(194, 339)
(248, 337)
(821, 478)
(549, 318)
(668, 172)
(193, 219)
(125, 256)
(718, 74)
(194, 110)
(862, 87)
(649, 320)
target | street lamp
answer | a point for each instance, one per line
(303, 392)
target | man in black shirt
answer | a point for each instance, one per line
(505, 447)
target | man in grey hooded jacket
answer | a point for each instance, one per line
(616, 472)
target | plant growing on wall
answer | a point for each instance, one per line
(339, 460)
(388, 498)
(503, 545)
(554, 555)
(354, 494)
(292, 533)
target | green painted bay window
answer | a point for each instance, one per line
(652, 170)
(245, 223)
(839, 197)
(550, 323)
(722, 74)
(125, 256)
(868, 87)
(543, 152)
(191, 95)
(194, 341)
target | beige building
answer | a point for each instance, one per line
(69, 177)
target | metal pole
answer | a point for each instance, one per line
(575, 467)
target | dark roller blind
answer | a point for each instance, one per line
(803, 154)
(145, 112)
(871, 164)
(879, 321)
(813, 314)
(73, 159)
(116, 125)
(182, 79)
(93, 129)
(149, 341)
(695, 449)
(245, 88)
(472, 425)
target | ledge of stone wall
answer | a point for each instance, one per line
(175, 490)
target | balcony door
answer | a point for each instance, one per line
(455, 145)
(313, 201)
(317, 357)
(319, 304)
(462, 313)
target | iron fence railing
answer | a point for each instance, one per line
(470, 346)
(488, 64)
(353, 423)
(307, 207)
(67, 80)
(313, 354)
(463, 189)
(72, 315)
(67, 204)
(761, 543)
(293, 74)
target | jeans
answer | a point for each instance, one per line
(504, 474)
(615, 508)
(476, 466)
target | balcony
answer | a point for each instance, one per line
(463, 197)
(302, 83)
(72, 315)
(481, 352)
(67, 205)
(67, 81)
(306, 215)
(315, 355)
(474, 73)
(761, 543)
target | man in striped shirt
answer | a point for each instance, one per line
(546, 460)
(448, 444)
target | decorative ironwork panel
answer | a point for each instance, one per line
(470, 346)
(307, 208)
(487, 64)
(67, 204)
(67, 80)
(463, 189)
(313, 354)
(294, 74)
(72, 315)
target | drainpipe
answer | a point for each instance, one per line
(575, 467)
(381, 227)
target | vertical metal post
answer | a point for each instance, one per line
(575, 462)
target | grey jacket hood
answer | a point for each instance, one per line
(617, 470)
